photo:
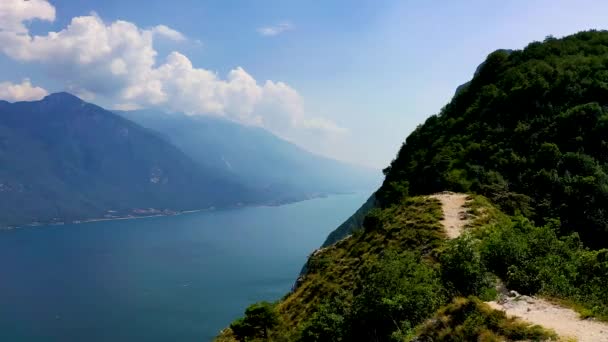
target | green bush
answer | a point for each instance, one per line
(462, 269)
(328, 324)
(259, 319)
(533, 260)
(396, 293)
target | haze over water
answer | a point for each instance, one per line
(178, 278)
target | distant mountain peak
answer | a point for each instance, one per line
(63, 97)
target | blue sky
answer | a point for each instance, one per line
(356, 76)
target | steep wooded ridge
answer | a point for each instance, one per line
(526, 140)
(530, 132)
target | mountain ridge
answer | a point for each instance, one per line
(66, 159)
(256, 157)
(525, 139)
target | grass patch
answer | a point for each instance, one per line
(469, 319)
(411, 226)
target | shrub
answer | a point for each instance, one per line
(534, 260)
(397, 293)
(462, 269)
(259, 319)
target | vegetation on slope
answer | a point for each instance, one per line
(352, 223)
(534, 260)
(529, 132)
(385, 281)
(469, 319)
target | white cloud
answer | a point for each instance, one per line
(13, 13)
(117, 62)
(275, 30)
(21, 92)
(168, 32)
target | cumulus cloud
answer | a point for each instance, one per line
(275, 30)
(24, 91)
(168, 32)
(117, 62)
(14, 13)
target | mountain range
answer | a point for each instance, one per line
(255, 157)
(65, 160)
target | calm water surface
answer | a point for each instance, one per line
(179, 278)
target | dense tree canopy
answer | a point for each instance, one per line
(530, 131)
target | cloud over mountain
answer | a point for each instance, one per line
(117, 61)
(23, 91)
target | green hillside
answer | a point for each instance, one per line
(530, 132)
(526, 138)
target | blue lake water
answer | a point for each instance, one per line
(178, 278)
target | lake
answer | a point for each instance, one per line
(174, 278)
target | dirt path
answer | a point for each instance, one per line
(564, 321)
(454, 213)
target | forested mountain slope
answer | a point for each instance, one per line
(526, 138)
(530, 131)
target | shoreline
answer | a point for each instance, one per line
(172, 213)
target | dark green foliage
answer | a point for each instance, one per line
(259, 319)
(469, 319)
(328, 323)
(396, 293)
(534, 260)
(529, 132)
(462, 268)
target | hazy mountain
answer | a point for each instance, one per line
(256, 157)
(65, 159)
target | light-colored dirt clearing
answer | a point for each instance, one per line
(454, 213)
(565, 322)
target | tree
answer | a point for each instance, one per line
(462, 268)
(327, 324)
(259, 319)
(396, 293)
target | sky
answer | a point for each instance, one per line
(349, 79)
